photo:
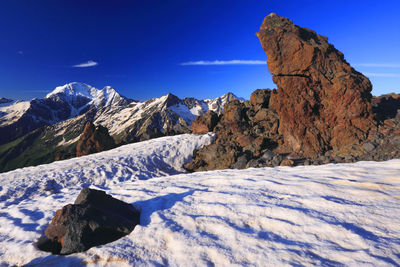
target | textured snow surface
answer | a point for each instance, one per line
(331, 215)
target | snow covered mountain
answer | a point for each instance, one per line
(328, 215)
(38, 131)
(63, 103)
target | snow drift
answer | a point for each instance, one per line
(317, 215)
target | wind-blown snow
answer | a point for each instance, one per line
(331, 215)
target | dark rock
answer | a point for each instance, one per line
(276, 161)
(94, 139)
(268, 155)
(368, 146)
(238, 133)
(94, 219)
(241, 162)
(255, 163)
(386, 106)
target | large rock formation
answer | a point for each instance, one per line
(94, 219)
(320, 113)
(94, 139)
(245, 131)
(322, 102)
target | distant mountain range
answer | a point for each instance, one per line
(41, 130)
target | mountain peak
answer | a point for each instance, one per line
(74, 89)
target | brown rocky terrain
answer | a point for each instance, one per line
(322, 102)
(94, 139)
(322, 111)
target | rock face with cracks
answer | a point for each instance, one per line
(322, 102)
(94, 219)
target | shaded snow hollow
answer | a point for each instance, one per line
(317, 215)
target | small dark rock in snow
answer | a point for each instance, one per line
(94, 219)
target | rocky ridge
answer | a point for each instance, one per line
(41, 135)
(320, 113)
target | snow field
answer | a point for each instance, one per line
(331, 215)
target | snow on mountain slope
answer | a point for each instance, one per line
(10, 112)
(74, 89)
(81, 97)
(218, 103)
(64, 103)
(330, 215)
(171, 110)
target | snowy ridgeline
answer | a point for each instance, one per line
(316, 215)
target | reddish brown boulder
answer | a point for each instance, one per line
(321, 100)
(94, 139)
(205, 123)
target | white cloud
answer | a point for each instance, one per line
(391, 75)
(225, 62)
(87, 64)
(378, 65)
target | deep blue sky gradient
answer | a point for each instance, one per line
(140, 45)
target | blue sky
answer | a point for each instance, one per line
(138, 47)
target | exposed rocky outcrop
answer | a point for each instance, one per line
(386, 106)
(245, 132)
(205, 123)
(94, 219)
(94, 139)
(320, 113)
(322, 102)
